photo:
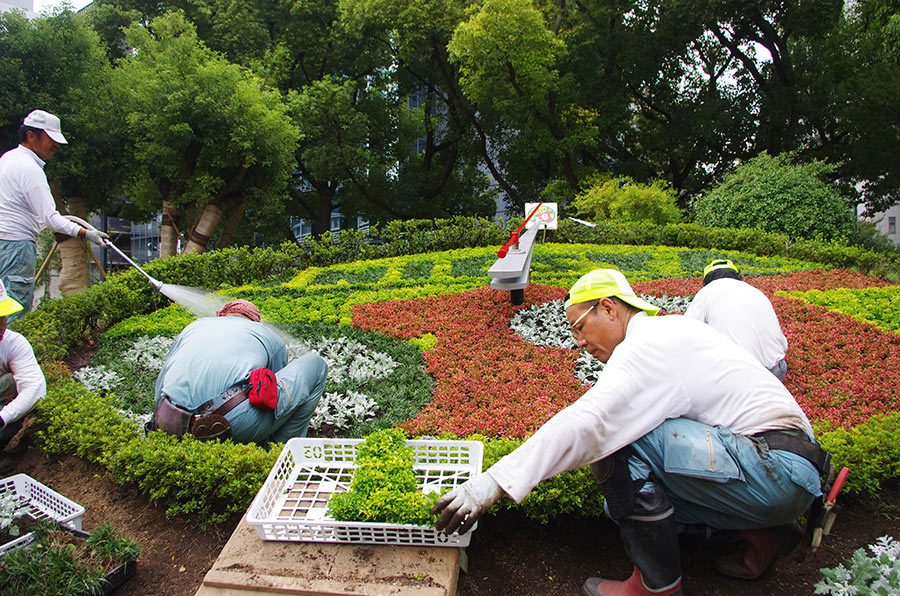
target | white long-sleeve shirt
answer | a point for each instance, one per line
(26, 204)
(666, 367)
(17, 357)
(743, 314)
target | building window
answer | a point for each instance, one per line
(892, 225)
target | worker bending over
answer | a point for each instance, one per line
(741, 313)
(685, 432)
(218, 381)
(22, 382)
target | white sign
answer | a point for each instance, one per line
(546, 217)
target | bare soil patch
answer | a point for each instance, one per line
(508, 555)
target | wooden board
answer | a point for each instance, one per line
(249, 565)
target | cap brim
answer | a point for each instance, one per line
(57, 136)
(9, 307)
(640, 303)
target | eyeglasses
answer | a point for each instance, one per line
(576, 332)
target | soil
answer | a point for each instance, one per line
(508, 555)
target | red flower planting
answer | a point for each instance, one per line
(490, 381)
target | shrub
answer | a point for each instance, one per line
(624, 200)
(776, 195)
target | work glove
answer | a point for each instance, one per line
(463, 505)
(96, 236)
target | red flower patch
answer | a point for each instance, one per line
(490, 381)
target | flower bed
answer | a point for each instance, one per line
(462, 370)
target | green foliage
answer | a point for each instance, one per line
(878, 575)
(876, 306)
(871, 451)
(777, 195)
(384, 486)
(624, 200)
(64, 565)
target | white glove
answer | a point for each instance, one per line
(96, 236)
(463, 505)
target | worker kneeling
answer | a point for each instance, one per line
(685, 431)
(217, 381)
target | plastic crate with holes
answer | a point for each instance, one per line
(292, 504)
(35, 501)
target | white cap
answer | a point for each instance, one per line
(48, 122)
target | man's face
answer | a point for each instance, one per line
(597, 326)
(42, 144)
(2, 327)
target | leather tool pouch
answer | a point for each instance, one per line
(213, 426)
(170, 418)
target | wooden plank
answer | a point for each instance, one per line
(249, 565)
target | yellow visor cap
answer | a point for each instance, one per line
(604, 283)
(8, 306)
(719, 264)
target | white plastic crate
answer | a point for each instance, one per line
(39, 502)
(292, 503)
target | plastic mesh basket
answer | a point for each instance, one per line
(38, 502)
(292, 503)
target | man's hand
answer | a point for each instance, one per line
(96, 236)
(463, 505)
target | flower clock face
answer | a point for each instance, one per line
(423, 343)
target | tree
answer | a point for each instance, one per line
(624, 200)
(209, 140)
(777, 195)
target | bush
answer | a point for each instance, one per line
(624, 200)
(776, 195)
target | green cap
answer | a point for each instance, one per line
(8, 306)
(604, 283)
(719, 264)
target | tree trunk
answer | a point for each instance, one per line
(232, 220)
(75, 272)
(199, 237)
(168, 234)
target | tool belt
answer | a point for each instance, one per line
(204, 424)
(799, 444)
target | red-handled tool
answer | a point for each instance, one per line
(514, 237)
(823, 528)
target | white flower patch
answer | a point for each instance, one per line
(878, 574)
(97, 378)
(544, 325)
(349, 358)
(149, 353)
(340, 410)
(669, 303)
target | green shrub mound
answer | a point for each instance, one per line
(384, 486)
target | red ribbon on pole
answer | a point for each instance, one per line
(514, 237)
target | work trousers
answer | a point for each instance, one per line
(18, 259)
(300, 385)
(716, 478)
(779, 369)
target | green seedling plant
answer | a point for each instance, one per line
(64, 565)
(862, 575)
(11, 509)
(384, 487)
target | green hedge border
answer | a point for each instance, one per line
(211, 481)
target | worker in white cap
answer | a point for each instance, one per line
(21, 379)
(741, 313)
(27, 206)
(685, 432)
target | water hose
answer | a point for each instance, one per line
(108, 244)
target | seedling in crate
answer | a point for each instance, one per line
(12, 507)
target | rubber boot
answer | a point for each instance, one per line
(759, 551)
(653, 546)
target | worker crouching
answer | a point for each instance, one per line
(686, 433)
(228, 376)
